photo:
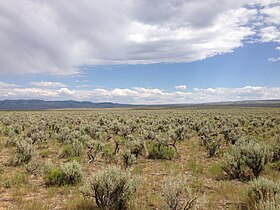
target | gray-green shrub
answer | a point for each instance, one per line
(67, 174)
(160, 150)
(112, 188)
(177, 194)
(128, 159)
(25, 151)
(271, 204)
(94, 148)
(234, 165)
(77, 147)
(262, 191)
(255, 155)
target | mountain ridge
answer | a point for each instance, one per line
(34, 104)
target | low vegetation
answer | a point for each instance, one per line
(140, 159)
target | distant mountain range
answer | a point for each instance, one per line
(42, 105)
(71, 104)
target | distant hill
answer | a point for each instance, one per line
(42, 105)
(71, 104)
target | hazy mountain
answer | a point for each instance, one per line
(71, 104)
(41, 105)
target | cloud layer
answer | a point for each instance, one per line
(140, 95)
(57, 37)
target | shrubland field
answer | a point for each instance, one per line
(224, 158)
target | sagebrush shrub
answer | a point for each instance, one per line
(111, 189)
(25, 151)
(262, 191)
(94, 148)
(128, 158)
(67, 174)
(137, 147)
(234, 165)
(77, 148)
(177, 194)
(67, 151)
(108, 153)
(159, 150)
(32, 166)
(72, 172)
(255, 155)
(276, 149)
(64, 134)
(271, 204)
(12, 138)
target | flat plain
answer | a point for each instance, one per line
(36, 147)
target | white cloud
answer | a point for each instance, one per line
(270, 34)
(274, 59)
(48, 84)
(4, 84)
(181, 87)
(65, 91)
(56, 37)
(141, 95)
(273, 14)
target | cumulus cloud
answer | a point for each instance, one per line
(272, 14)
(181, 87)
(48, 84)
(65, 91)
(57, 37)
(4, 84)
(274, 59)
(142, 95)
(270, 34)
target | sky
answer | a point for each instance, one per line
(140, 51)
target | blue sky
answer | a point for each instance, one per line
(176, 52)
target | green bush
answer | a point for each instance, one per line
(64, 134)
(72, 172)
(74, 149)
(45, 153)
(276, 149)
(211, 144)
(234, 165)
(255, 155)
(31, 167)
(108, 153)
(67, 174)
(67, 151)
(77, 148)
(94, 148)
(177, 194)
(262, 191)
(54, 177)
(128, 159)
(24, 151)
(158, 150)
(111, 189)
(271, 204)
(137, 147)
